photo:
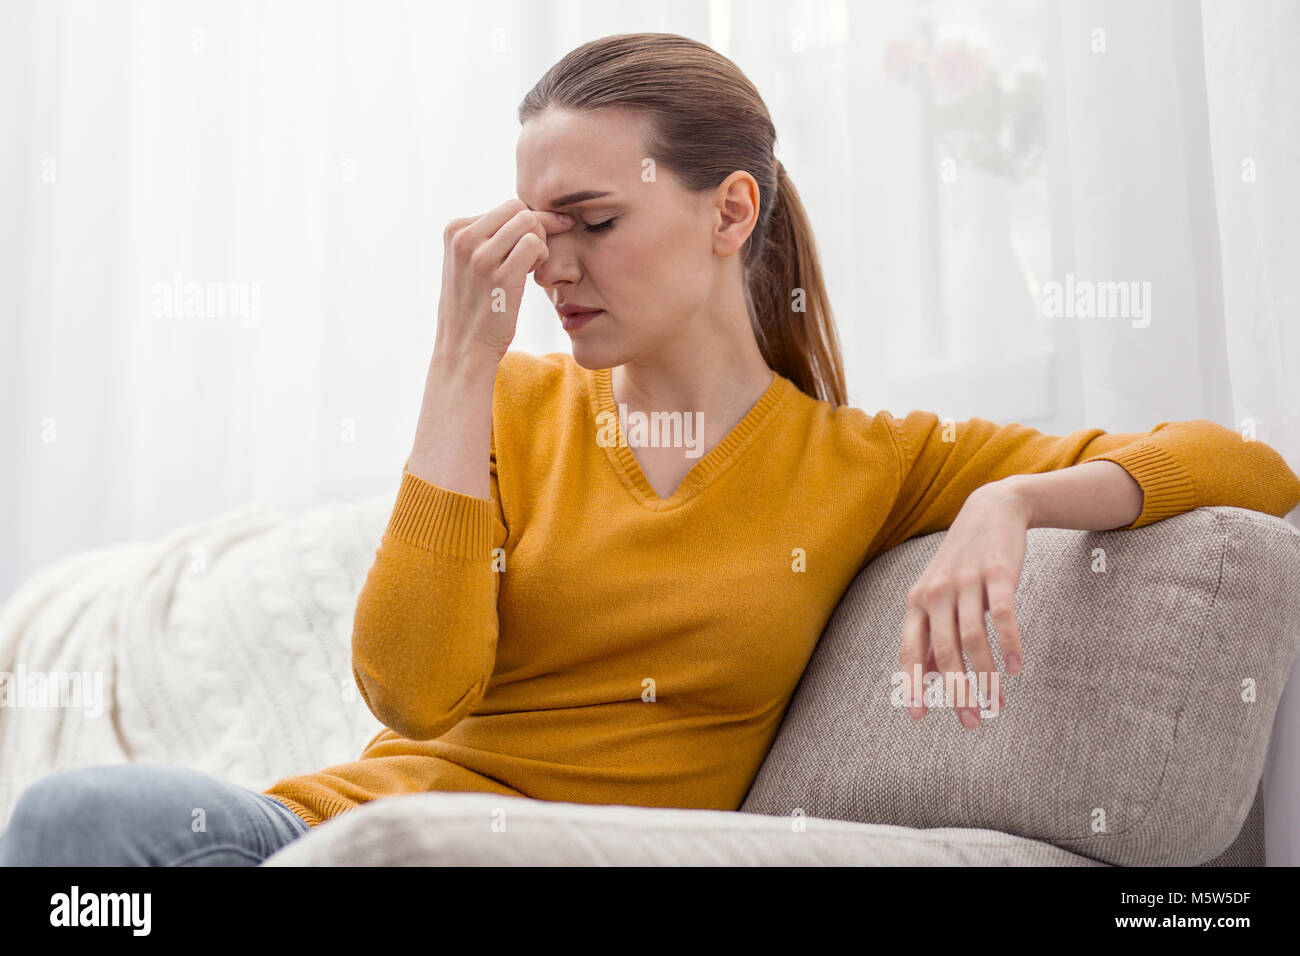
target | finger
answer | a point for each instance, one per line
(481, 228)
(912, 650)
(931, 665)
(975, 643)
(554, 222)
(449, 233)
(1001, 594)
(528, 254)
(942, 615)
(539, 222)
(498, 249)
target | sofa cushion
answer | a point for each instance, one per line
(1136, 731)
(483, 829)
(1248, 848)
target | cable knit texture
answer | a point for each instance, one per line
(575, 637)
(224, 645)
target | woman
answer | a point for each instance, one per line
(564, 608)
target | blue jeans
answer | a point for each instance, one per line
(144, 814)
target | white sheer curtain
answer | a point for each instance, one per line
(220, 229)
(291, 164)
(1176, 145)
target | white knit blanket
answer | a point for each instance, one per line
(224, 645)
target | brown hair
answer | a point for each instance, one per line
(708, 121)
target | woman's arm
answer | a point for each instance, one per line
(1179, 466)
(424, 634)
(425, 631)
(455, 425)
(1093, 496)
(987, 485)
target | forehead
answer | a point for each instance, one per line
(563, 151)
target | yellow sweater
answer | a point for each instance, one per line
(622, 648)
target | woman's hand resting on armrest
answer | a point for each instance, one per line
(977, 569)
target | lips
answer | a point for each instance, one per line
(576, 318)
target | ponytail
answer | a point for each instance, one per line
(789, 307)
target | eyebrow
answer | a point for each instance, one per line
(572, 199)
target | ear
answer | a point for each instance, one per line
(736, 203)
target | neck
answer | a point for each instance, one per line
(718, 371)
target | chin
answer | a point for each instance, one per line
(593, 356)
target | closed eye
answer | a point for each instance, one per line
(600, 226)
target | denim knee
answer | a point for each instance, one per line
(142, 814)
(43, 825)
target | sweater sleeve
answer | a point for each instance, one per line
(1179, 465)
(424, 635)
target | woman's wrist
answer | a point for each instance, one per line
(453, 435)
(1012, 494)
(462, 364)
(1092, 496)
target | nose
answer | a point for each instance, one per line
(561, 264)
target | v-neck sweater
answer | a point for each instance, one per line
(575, 637)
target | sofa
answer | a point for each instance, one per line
(1135, 734)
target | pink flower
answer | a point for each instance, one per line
(901, 58)
(956, 71)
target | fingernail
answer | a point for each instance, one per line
(1013, 663)
(565, 217)
(969, 718)
(914, 710)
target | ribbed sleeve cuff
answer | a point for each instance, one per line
(434, 518)
(1167, 487)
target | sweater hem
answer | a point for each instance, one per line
(330, 807)
(302, 812)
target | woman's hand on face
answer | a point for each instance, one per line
(485, 264)
(976, 569)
